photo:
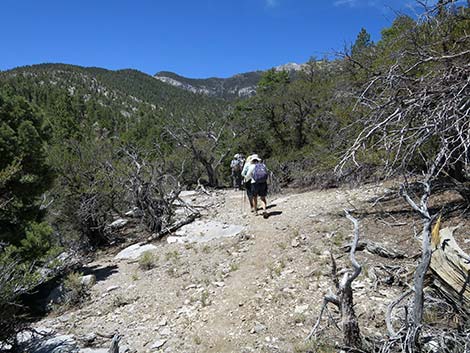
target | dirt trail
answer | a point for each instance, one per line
(257, 292)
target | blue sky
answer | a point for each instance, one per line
(194, 38)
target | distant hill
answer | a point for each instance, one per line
(123, 93)
(238, 86)
(234, 87)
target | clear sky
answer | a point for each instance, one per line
(194, 38)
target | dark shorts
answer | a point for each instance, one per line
(259, 189)
(249, 190)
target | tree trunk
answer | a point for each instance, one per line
(350, 326)
(420, 272)
(211, 174)
(450, 267)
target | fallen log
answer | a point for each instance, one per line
(376, 249)
(450, 269)
(173, 228)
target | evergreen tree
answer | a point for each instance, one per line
(24, 173)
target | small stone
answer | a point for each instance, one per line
(258, 328)
(111, 288)
(118, 223)
(158, 343)
(295, 243)
(64, 318)
(88, 338)
(88, 280)
(163, 322)
(219, 284)
(165, 331)
(300, 309)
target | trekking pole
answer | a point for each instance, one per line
(243, 204)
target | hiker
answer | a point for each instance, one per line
(236, 170)
(247, 182)
(256, 176)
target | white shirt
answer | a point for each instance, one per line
(248, 172)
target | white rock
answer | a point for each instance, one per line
(165, 331)
(88, 280)
(158, 343)
(204, 231)
(295, 243)
(118, 223)
(171, 239)
(258, 328)
(300, 309)
(133, 252)
(135, 212)
(188, 193)
(111, 288)
(56, 344)
(88, 338)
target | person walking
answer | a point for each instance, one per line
(256, 176)
(236, 166)
(247, 182)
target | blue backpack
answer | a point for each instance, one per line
(260, 174)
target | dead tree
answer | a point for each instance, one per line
(343, 298)
(151, 190)
(351, 333)
(417, 108)
(205, 142)
(423, 266)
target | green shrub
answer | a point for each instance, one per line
(147, 261)
(16, 278)
(75, 291)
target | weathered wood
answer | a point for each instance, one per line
(343, 299)
(173, 228)
(350, 325)
(377, 249)
(450, 267)
(114, 348)
(423, 265)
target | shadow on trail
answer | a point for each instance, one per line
(100, 272)
(274, 213)
(271, 206)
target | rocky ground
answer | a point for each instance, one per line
(256, 288)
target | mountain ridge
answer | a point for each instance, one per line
(241, 85)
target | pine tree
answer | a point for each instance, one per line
(24, 173)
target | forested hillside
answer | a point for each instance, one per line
(231, 88)
(82, 146)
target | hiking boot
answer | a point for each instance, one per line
(265, 215)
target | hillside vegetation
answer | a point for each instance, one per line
(80, 147)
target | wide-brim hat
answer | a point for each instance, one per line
(255, 157)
